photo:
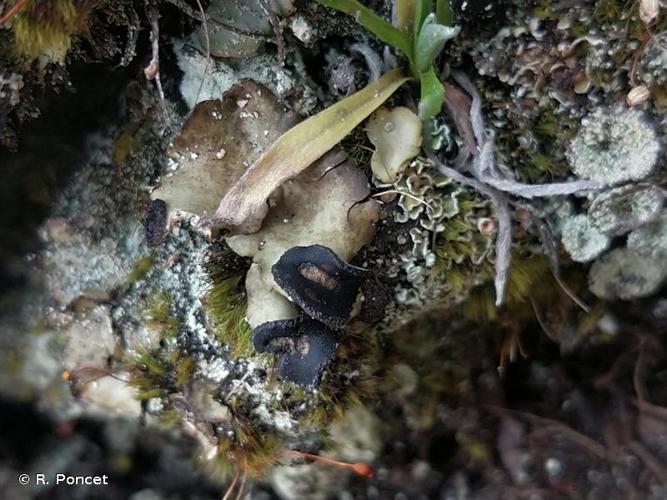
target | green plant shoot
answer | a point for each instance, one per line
(420, 34)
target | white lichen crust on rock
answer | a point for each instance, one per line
(615, 145)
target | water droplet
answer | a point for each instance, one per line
(388, 127)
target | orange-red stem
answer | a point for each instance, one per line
(361, 468)
(12, 11)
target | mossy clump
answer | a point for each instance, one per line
(461, 249)
(247, 449)
(44, 28)
(608, 11)
(349, 380)
(157, 374)
(158, 314)
(529, 279)
(226, 307)
(357, 147)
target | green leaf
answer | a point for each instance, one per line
(373, 23)
(432, 95)
(430, 42)
(444, 12)
(404, 15)
(299, 147)
(422, 9)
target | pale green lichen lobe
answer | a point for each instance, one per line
(651, 239)
(614, 145)
(626, 274)
(582, 240)
(623, 209)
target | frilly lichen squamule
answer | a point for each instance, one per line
(444, 245)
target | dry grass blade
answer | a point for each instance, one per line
(299, 147)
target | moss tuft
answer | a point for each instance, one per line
(158, 314)
(45, 29)
(357, 147)
(530, 278)
(461, 250)
(349, 380)
(226, 308)
(157, 374)
(245, 448)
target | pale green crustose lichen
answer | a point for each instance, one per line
(582, 240)
(626, 274)
(614, 145)
(623, 209)
(651, 238)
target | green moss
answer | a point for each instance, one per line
(539, 166)
(659, 93)
(185, 369)
(124, 145)
(544, 9)
(156, 374)
(357, 146)
(529, 278)
(226, 307)
(158, 315)
(608, 11)
(460, 249)
(45, 28)
(579, 29)
(349, 380)
(170, 418)
(247, 449)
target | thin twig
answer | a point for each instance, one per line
(403, 193)
(497, 182)
(650, 408)
(649, 460)
(190, 12)
(152, 71)
(550, 248)
(243, 480)
(503, 216)
(277, 31)
(503, 245)
(549, 424)
(230, 489)
(373, 61)
(13, 10)
(361, 468)
(637, 57)
(538, 317)
(208, 51)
